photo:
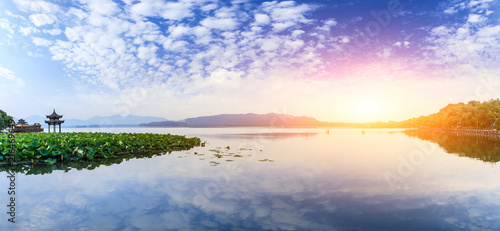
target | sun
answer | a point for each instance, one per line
(368, 110)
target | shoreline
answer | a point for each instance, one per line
(468, 131)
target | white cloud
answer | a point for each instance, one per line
(281, 26)
(297, 33)
(209, 7)
(271, 44)
(328, 24)
(147, 53)
(468, 51)
(7, 74)
(5, 24)
(78, 13)
(286, 14)
(262, 19)
(42, 19)
(384, 53)
(345, 39)
(108, 49)
(28, 30)
(101, 7)
(450, 10)
(175, 46)
(476, 18)
(177, 10)
(400, 44)
(37, 6)
(41, 42)
(53, 31)
(287, 11)
(220, 23)
(158, 8)
(294, 45)
(11, 76)
(479, 4)
(177, 31)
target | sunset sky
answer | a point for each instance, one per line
(350, 61)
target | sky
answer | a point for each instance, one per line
(338, 61)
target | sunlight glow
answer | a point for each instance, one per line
(368, 108)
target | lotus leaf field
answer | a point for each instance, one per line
(49, 148)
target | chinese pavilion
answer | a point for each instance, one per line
(22, 122)
(54, 120)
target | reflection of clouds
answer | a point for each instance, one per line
(275, 202)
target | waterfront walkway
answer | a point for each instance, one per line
(468, 131)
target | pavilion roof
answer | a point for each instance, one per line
(54, 115)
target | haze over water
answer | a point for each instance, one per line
(303, 179)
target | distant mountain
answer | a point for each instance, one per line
(170, 124)
(100, 121)
(223, 120)
(250, 119)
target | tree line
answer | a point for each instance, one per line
(474, 114)
(4, 118)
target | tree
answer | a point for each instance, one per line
(472, 114)
(4, 119)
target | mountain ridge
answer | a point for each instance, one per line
(98, 121)
(220, 120)
(248, 119)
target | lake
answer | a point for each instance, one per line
(274, 179)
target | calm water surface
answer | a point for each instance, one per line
(274, 179)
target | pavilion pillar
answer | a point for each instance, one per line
(54, 121)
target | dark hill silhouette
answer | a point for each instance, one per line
(250, 119)
(170, 124)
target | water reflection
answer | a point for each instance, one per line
(320, 182)
(484, 148)
(267, 135)
(41, 169)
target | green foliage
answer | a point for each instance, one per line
(474, 114)
(49, 147)
(4, 118)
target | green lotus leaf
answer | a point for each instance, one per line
(50, 161)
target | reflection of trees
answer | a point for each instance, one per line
(482, 148)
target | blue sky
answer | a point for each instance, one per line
(333, 60)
